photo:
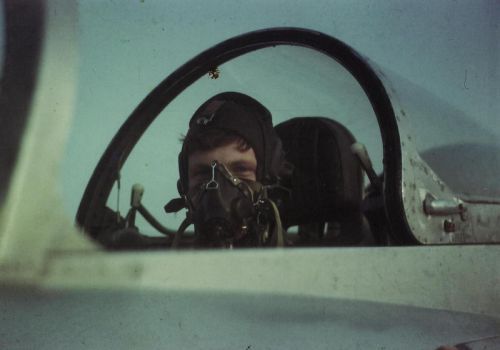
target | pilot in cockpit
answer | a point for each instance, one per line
(231, 157)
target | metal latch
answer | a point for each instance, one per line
(440, 207)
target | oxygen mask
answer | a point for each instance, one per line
(223, 209)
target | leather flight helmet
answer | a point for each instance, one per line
(243, 115)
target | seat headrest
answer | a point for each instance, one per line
(327, 182)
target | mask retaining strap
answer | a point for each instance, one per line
(278, 227)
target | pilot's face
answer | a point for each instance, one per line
(242, 164)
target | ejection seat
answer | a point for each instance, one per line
(325, 185)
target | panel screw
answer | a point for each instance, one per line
(449, 226)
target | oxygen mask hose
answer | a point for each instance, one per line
(278, 232)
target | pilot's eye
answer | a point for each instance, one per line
(240, 169)
(243, 172)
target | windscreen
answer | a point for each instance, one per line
(290, 81)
